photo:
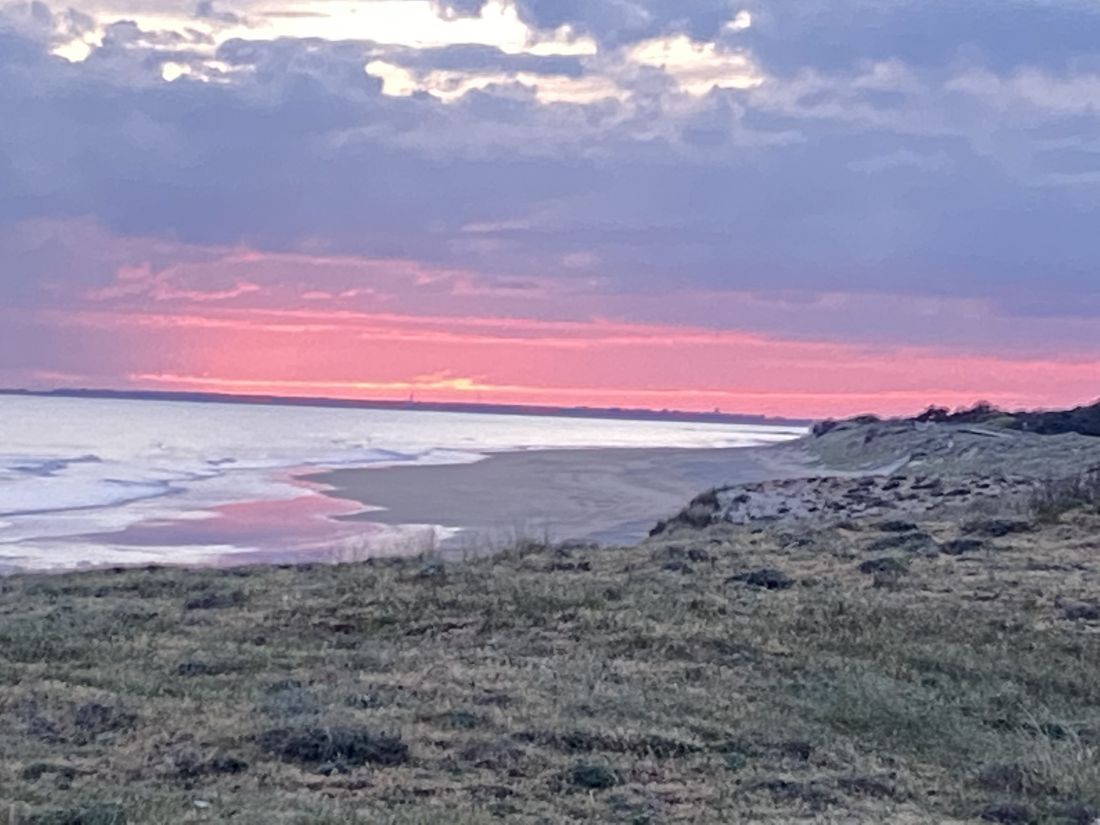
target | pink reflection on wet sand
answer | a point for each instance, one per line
(294, 529)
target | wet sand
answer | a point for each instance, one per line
(612, 495)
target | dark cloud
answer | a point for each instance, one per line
(318, 56)
(208, 10)
(788, 35)
(56, 263)
(966, 179)
(477, 58)
(36, 22)
(615, 22)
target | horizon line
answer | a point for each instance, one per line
(260, 399)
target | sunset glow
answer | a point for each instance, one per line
(222, 326)
(630, 206)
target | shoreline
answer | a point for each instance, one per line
(607, 495)
(91, 483)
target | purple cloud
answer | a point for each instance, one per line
(926, 149)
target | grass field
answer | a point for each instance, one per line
(872, 674)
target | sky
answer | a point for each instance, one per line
(762, 206)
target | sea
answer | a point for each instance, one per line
(105, 482)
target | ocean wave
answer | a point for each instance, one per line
(41, 466)
(36, 485)
(30, 498)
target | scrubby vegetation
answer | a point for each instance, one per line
(1084, 420)
(715, 675)
(1055, 497)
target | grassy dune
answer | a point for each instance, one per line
(955, 677)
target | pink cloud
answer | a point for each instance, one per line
(235, 319)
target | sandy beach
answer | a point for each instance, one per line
(613, 495)
(616, 496)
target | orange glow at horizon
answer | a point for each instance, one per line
(232, 320)
(467, 390)
(512, 360)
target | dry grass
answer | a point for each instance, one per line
(1055, 497)
(635, 685)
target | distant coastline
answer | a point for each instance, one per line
(613, 413)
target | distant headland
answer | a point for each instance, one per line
(421, 406)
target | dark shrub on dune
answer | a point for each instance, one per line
(318, 745)
(1082, 420)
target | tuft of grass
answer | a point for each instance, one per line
(1055, 497)
(338, 747)
(593, 777)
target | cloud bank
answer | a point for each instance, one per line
(794, 171)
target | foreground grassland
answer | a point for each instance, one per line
(955, 678)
